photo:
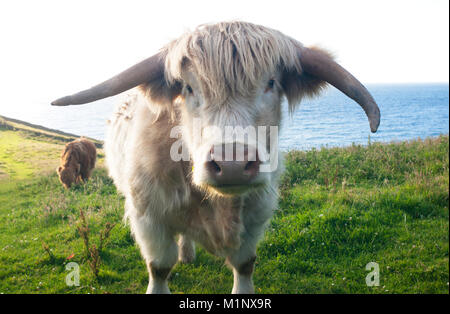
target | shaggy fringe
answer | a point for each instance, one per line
(230, 57)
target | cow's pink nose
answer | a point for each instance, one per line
(232, 164)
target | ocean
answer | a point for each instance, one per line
(408, 111)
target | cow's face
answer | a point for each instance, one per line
(66, 175)
(230, 140)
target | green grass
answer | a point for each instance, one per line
(340, 208)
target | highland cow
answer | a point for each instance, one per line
(77, 162)
(226, 75)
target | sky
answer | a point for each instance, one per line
(53, 48)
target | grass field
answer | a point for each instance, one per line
(340, 208)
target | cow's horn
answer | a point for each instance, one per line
(144, 71)
(320, 65)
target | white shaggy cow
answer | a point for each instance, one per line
(232, 74)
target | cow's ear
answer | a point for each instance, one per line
(297, 83)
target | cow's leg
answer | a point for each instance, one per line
(257, 211)
(186, 249)
(85, 175)
(242, 262)
(158, 248)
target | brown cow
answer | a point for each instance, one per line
(77, 162)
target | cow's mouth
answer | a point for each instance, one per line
(233, 189)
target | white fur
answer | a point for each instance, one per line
(162, 202)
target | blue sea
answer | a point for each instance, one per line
(407, 112)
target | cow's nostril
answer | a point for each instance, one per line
(249, 165)
(232, 164)
(252, 168)
(213, 167)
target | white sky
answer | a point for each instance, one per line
(53, 48)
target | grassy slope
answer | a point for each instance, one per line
(340, 209)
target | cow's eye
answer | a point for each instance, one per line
(189, 89)
(270, 85)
